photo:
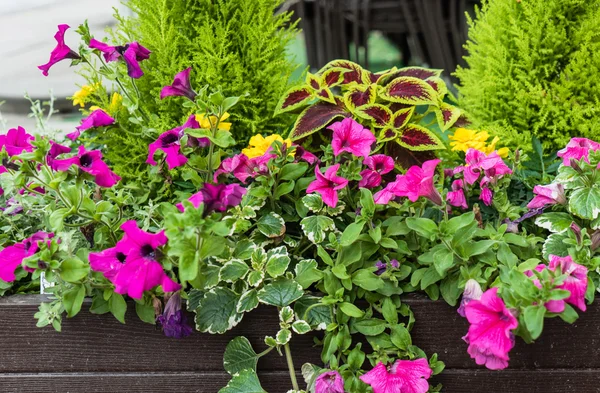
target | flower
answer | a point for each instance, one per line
(56, 149)
(131, 53)
(486, 196)
(169, 143)
(243, 167)
(205, 122)
(12, 257)
(180, 87)
(97, 118)
(490, 337)
(349, 136)
(141, 270)
(81, 95)
(216, 197)
(464, 139)
(550, 194)
(303, 154)
(576, 281)
(417, 182)
(456, 197)
(89, 162)
(259, 145)
(173, 321)
(404, 376)
(61, 52)
(576, 149)
(116, 102)
(378, 164)
(472, 292)
(2, 170)
(491, 165)
(15, 141)
(328, 185)
(382, 267)
(329, 382)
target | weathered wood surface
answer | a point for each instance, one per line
(95, 353)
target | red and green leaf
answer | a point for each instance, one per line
(462, 121)
(405, 158)
(387, 134)
(402, 117)
(333, 76)
(326, 95)
(359, 95)
(379, 114)
(354, 72)
(381, 76)
(313, 81)
(316, 117)
(418, 72)
(293, 99)
(411, 91)
(416, 137)
(447, 115)
(438, 85)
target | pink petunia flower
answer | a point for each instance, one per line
(56, 149)
(12, 257)
(477, 162)
(242, 167)
(456, 197)
(89, 162)
(576, 149)
(490, 336)
(97, 118)
(416, 182)
(404, 376)
(349, 136)
(304, 155)
(486, 196)
(131, 53)
(328, 185)
(170, 143)
(181, 86)
(141, 270)
(16, 141)
(472, 292)
(576, 281)
(329, 382)
(550, 194)
(378, 165)
(61, 52)
(216, 197)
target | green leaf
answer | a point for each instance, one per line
(307, 273)
(188, 265)
(389, 311)
(351, 233)
(554, 245)
(585, 203)
(73, 299)
(277, 261)
(534, 319)
(443, 260)
(367, 202)
(280, 293)
(217, 311)
(400, 337)
(423, 226)
(319, 316)
(271, 225)
(554, 222)
(479, 247)
(301, 327)
(293, 171)
(370, 327)
(366, 279)
(73, 269)
(222, 138)
(283, 336)
(117, 306)
(255, 278)
(245, 382)
(315, 227)
(233, 271)
(284, 189)
(430, 276)
(145, 312)
(239, 356)
(351, 310)
(56, 219)
(456, 223)
(248, 301)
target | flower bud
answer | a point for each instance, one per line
(577, 231)
(329, 382)
(472, 292)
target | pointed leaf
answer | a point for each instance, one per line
(333, 76)
(379, 114)
(402, 117)
(418, 72)
(316, 117)
(359, 95)
(294, 99)
(387, 134)
(415, 137)
(280, 293)
(438, 85)
(354, 73)
(447, 115)
(412, 91)
(462, 121)
(325, 95)
(313, 81)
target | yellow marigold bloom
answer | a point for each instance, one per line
(116, 101)
(464, 139)
(259, 145)
(81, 95)
(503, 152)
(206, 121)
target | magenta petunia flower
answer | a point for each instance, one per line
(61, 52)
(349, 136)
(486, 196)
(378, 164)
(472, 292)
(181, 86)
(108, 262)
(576, 149)
(131, 54)
(89, 162)
(490, 336)
(243, 167)
(494, 168)
(216, 197)
(472, 170)
(329, 382)
(170, 143)
(328, 185)
(304, 155)
(16, 141)
(97, 118)
(456, 197)
(2, 170)
(417, 182)
(12, 257)
(404, 376)
(56, 149)
(173, 321)
(550, 194)
(141, 270)
(576, 281)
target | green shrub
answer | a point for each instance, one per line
(533, 70)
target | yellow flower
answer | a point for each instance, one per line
(259, 145)
(205, 122)
(464, 139)
(114, 107)
(81, 95)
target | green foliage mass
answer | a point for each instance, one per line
(237, 46)
(533, 70)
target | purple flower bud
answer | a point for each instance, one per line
(472, 292)
(329, 382)
(395, 264)
(511, 226)
(577, 231)
(173, 320)
(595, 239)
(381, 268)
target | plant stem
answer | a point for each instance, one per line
(290, 362)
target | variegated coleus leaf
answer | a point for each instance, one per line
(354, 72)
(316, 117)
(360, 95)
(382, 76)
(387, 134)
(462, 121)
(402, 117)
(333, 76)
(380, 115)
(405, 158)
(294, 99)
(411, 91)
(319, 88)
(438, 85)
(447, 115)
(418, 138)
(413, 72)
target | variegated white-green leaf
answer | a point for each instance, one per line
(271, 225)
(255, 278)
(280, 293)
(585, 202)
(307, 272)
(277, 261)
(301, 327)
(554, 222)
(245, 381)
(313, 202)
(216, 312)
(283, 336)
(248, 301)
(233, 271)
(286, 315)
(315, 227)
(554, 245)
(258, 258)
(244, 249)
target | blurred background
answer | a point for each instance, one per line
(378, 34)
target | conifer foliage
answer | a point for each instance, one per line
(532, 70)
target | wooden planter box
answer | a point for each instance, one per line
(95, 353)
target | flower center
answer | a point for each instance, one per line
(121, 48)
(86, 160)
(121, 257)
(169, 139)
(148, 251)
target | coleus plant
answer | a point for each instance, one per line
(394, 103)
